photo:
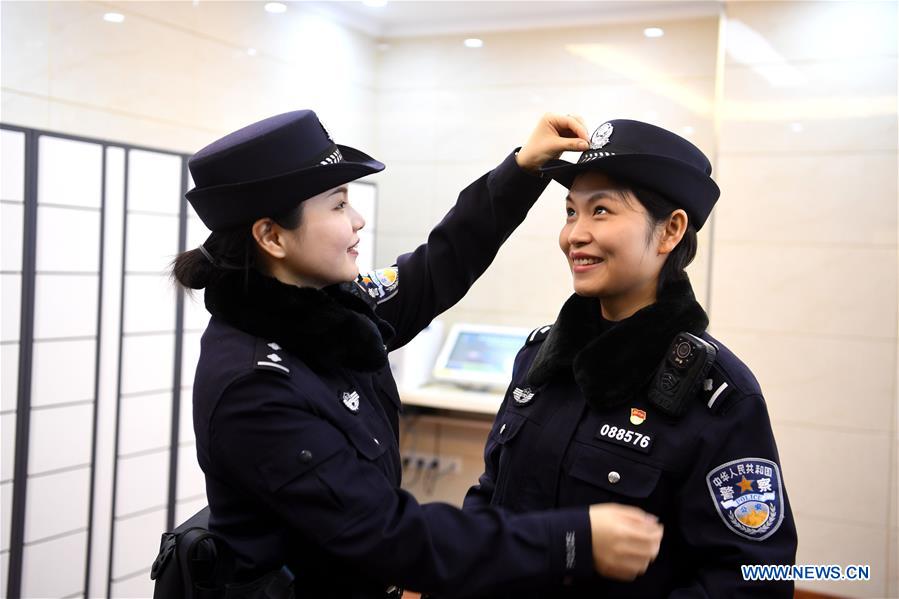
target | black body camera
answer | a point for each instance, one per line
(683, 369)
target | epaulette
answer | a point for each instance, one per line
(715, 391)
(268, 357)
(539, 334)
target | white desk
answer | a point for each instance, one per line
(449, 397)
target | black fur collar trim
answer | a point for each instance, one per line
(326, 328)
(614, 361)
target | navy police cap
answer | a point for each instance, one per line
(267, 168)
(650, 157)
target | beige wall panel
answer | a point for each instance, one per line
(826, 380)
(839, 106)
(808, 199)
(447, 128)
(819, 460)
(824, 541)
(810, 289)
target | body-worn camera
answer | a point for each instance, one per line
(677, 379)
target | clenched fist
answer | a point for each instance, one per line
(625, 540)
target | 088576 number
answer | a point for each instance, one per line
(626, 437)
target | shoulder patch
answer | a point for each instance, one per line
(380, 285)
(269, 357)
(539, 334)
(748, 496)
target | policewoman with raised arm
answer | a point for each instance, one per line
(295, 409)
(626, 398)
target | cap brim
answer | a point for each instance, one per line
(223, 207)
(682, 183)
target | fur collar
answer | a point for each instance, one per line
(326, 328)
(613, 361)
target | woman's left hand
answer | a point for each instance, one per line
(554, 134)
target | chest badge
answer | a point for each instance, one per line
(351, 401)
(524, 396)
(637, 416)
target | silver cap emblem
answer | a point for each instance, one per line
(601, 136)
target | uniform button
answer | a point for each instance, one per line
(614, 477)
(502, 429)
(305, 456)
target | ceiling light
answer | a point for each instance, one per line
(114, 17)
(473, 42)
(653, 32)
(375, 3)
(251, 51)
(796, 127)
(689, 130)
(275, 7)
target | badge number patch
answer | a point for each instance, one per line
(748, 496)
(625, 437)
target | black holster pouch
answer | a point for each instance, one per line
(194, 563)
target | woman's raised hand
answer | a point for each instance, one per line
(625, 540)
(554, 134)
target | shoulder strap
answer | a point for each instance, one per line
(538, 335)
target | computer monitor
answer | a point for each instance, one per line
(479, 355)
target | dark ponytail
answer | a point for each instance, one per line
(232, 250)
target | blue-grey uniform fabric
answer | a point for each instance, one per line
(298, 438)
(551, 447)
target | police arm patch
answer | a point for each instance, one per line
(382, 284)
(748, 496)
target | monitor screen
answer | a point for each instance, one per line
(480, 355)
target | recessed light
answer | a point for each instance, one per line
(473, 42)
(689, 130)
(375, 3)
(653, 32)
(251, 51)
(114, 17)
(796, 127)
(275, 7)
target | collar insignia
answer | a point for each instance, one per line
(523, 397)
(351, 401)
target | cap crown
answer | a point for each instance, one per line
(268, 148)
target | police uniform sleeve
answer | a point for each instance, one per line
(431, 279)
(330, 493)
(733, 510)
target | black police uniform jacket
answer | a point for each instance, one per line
(576, 428)
(296, 420)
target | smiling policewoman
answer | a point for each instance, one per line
(628, 399)
(295, 409)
